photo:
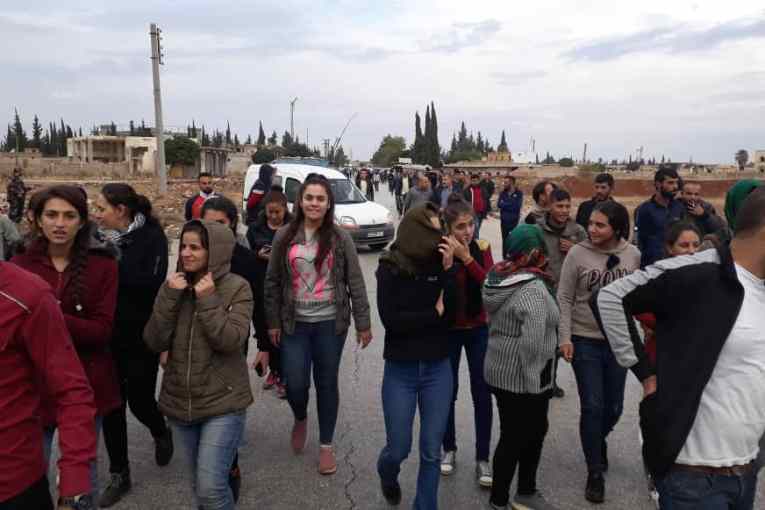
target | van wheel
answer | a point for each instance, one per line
(377, 247)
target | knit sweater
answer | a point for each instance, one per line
(523, 334)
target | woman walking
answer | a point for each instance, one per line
(312, 280)
(416, 299)
(472, 260)
(83, 273)
(520, 363)
(202, 317)
(260, 236)
(590, 266)
(126, 219)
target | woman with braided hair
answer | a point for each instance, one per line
(83, 274)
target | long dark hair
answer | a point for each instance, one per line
(618, 217)
(457, 206)
(327, 228)
(224, 205)
(78, 257)
(119, 193)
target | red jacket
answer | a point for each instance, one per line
(35, 346)
(477, 271)
(90, 327)
(648, 321)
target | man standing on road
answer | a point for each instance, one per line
(364, 183)
(443, 191)
(541, 195)
(419, 194)
(193, 209)
(402, 186)
(476, 196)
(654, 215)
(703, 411)
(509, 204)
(36, 354)
(487, 183)
(701, 213)
(604, 187)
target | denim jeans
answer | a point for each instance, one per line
(210, 446)
(313, 343)
(48, 433)
(406, 386)
(475, 341)
(684, 490)
(601, 382)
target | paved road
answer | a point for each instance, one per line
(276, 479)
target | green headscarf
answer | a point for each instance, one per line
(523, 239)
(735, 197)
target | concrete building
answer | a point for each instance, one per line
(758, 158)
(138, 151)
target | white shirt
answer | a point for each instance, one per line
(363, 186)
(405, 185)
(731, 415)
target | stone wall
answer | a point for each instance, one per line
(35, 166)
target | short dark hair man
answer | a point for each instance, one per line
(701, 213)
(604, 187)
(36, 353)
(193, 209)
(703, 411)
(541, 195)
(655, 215)
(509, 203)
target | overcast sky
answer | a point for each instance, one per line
(681, 78)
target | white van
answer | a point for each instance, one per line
(368, 223)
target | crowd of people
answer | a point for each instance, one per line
(90, 310)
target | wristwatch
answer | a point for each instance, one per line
(81, 502)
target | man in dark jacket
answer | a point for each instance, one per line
(509, 204)
(703, 421)
(655, 215)
(701, 213)
(35, 348)
(487, 183)
(193, 209)
(442, 192)
(365, 184)
(604, 187)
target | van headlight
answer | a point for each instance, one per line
(348, 222)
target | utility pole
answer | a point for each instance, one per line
(292, 118)
(156, 61)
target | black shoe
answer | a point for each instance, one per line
(119, 485)
(235, 482)
(558, 392)
(163, 448)
(392, 493)
(604, 449)
(596, 488)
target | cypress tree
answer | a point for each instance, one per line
(418, 139)
(502, 147)
(434, 153)
(228, 134)
(426, 138)
(261, 135)
(132, 128)
(36, 133)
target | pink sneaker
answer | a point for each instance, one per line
(327, 462)
(299, 435)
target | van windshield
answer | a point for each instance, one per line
(345, 192)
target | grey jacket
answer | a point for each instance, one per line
(206, 373)
(572, 232)
(350, 290)
(523, 334)
(9, 236)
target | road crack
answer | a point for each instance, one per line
(348, 437)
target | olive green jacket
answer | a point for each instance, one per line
(206, 373)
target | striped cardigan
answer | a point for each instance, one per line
(523, 334)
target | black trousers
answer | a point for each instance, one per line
(138, 383)
(36, 497)
(523, 427)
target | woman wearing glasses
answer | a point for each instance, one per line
(589, 266)
(313, 278)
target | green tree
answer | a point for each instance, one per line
(36, 133)
(566, 162)
(132, 128)
(229, 141)
(502, 147)
(236, 141)
(113, 129)
(389, 151)
(261, 135)
(286, 139)
(742, 158)
(273, 139)
(264, 155)
(249, 140)
(479, 145)
(181, 150)
(549, 160)
(19, 135)
(419, 142)
(434, 148)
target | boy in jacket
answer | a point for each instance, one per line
(703, 411)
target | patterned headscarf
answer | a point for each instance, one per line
(524, 251)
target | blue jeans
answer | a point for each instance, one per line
(684, 490)
(600, 381)
(313, 343)
(210, 446)
(475, 341)
(406, 386)
(48, 446)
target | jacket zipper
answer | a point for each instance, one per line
(188, 368)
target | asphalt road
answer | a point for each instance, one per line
(274, 478)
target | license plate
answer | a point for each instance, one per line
(376, 234)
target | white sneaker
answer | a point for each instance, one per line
(483, 474)
(448, 463)
(654, 496)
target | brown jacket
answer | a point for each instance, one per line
(349, 285)
(206, 373)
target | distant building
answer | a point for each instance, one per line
(499, 156)
(758, 158)
(139, 151)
